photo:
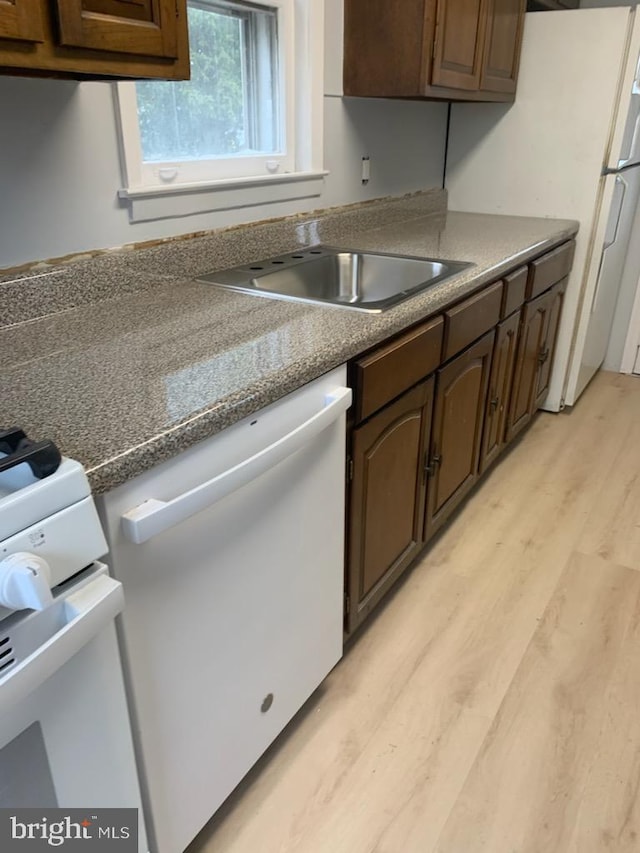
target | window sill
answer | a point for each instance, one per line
(177, 200)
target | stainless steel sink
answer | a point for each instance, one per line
(364, 281)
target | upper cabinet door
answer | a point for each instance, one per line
(20, 20)
(457, 55)
(136, 27)
(505, 20)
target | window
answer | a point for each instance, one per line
(251, 112)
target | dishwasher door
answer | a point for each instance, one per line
(234, 597)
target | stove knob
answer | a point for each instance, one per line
(25, 582)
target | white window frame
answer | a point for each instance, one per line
(162, 190)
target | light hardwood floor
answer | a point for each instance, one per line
(494, 702)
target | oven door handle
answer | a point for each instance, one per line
(153, 516)
(88, 611)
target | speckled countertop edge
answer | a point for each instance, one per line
(340, 335)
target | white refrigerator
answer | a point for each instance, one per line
(568, 147)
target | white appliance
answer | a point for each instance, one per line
(232, 558)
(569, 147)
(65, 737)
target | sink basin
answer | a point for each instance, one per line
(364, 281)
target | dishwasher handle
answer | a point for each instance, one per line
(153, 516)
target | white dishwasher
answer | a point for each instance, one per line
(231, 556)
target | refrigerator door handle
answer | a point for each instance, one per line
(635, 90)
(632, 153)
(609, 240)
(621, 187)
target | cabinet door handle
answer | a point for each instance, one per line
(430, 467)
(543, 356)
(494, 403)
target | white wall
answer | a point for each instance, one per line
(60, 168)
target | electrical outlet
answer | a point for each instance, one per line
(366, 169)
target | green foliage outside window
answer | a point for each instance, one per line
(205, 116)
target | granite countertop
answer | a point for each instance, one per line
(139, 361)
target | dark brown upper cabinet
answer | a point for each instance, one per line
(20, 21)
(95, 39)
(503, 38)
(137, 27)
(436, 49)
(458, 43)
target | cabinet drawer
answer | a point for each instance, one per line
(549, 269)
(384, 374)
(513, 295)
(471, 319)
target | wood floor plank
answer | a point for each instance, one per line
(529, 780)
(383, 751)
(609, 814)
(554, 474)
(612, 530)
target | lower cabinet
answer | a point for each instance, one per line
(387, 498)
(497, 409)
(555, 299)
(536, 347)
(461, 393)
(434, 408)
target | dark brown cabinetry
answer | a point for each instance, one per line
(20, 20)
(387, 494)
(536, 348)
(555, 299)
(458, 44)
(525, 380)
(95, 38)
(502, 46)
(391, 369)
(434, 408)
(461, 393)
(502, 367)
(449, 49)
(137, 27)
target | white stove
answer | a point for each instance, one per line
(61, 680)
(49, 530)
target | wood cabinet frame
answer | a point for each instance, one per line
(97, 47)
(82, 27)
(411, 413)
(502, 77)
(456, 434)
(445, 72)
(400, 49)
(401, 381)
(20, 20)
